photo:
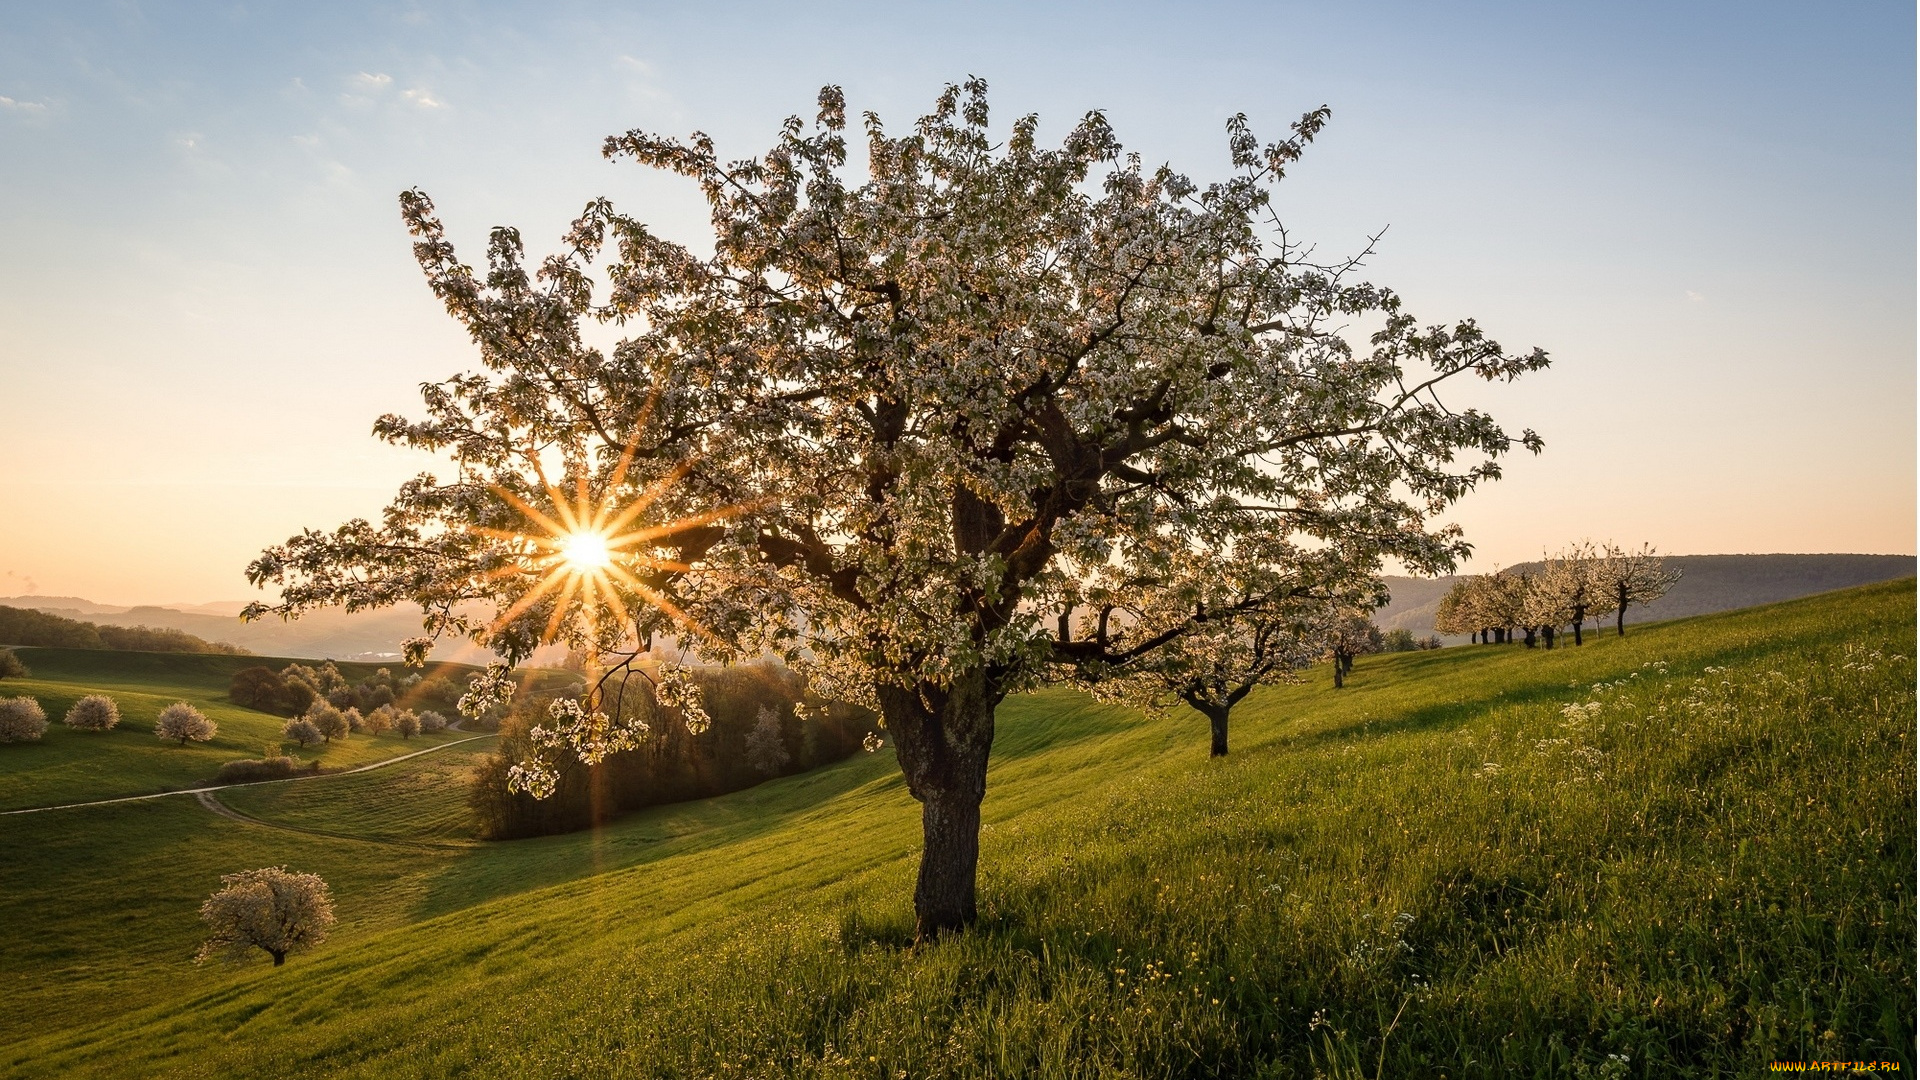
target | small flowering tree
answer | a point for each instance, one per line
(21, 719)
(301, 730)
(1347, 633)
(272, 910)
(894, 425)
(183, 723)
(1632, 577)
(406, 723)
(332, 723)
(1229, 625)
(95, 712)
(1567, 590)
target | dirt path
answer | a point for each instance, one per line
(255, 783)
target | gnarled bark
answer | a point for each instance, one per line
(942, 737)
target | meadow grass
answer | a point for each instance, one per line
(1687, 852)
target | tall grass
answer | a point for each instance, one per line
(1688, 852)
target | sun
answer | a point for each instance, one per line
(585, 552)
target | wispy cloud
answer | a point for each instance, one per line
(31, 108)
(372, 81)
(419, 96)
(1695, 298)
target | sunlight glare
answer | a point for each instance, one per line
(586, 551)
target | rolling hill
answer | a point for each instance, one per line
(1626, 859)
(1709, 583)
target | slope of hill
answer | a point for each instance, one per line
(73, 766)
(1709, 583)
(1626, 859)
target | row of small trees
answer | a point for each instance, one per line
(23, 720)
(322, 722)
(296, 688)
(1581, 582)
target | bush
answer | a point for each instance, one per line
(95, 712)
(438, 693)
(271, 691)
(252, 770)
(182, 722)
(302, 730)
(21, 720)
(11, 667)
(1398, 641)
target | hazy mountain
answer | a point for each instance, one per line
(1708, 583)
(330, 635)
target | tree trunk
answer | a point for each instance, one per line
(1531, 637)
(1547, 635)
(1339, 674)
(1218, 717)
(942, 737)
(279, 957)
(1620, 620)
(1576, 630)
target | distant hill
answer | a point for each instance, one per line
(322, 635)
(27, 626)
(1708, 583)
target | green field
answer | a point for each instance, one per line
(67, 766)
(1440, 870)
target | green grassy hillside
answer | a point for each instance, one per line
(67, 766)
(1687, 852)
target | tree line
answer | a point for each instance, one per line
(1579, 583)
(755, 730)
(25, 626)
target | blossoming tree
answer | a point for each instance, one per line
(269, 909)
(892, 429)
(1629, 577)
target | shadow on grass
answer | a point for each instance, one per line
(498, 868)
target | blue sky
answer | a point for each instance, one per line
(1705, 212)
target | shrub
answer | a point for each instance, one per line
(264, 689)
(438, 693)
(182, 721)
(1398, 641)
(302, 730)
(250, 770)
(271, 910)
(95, 712)
(21, 719)
(11, 667)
